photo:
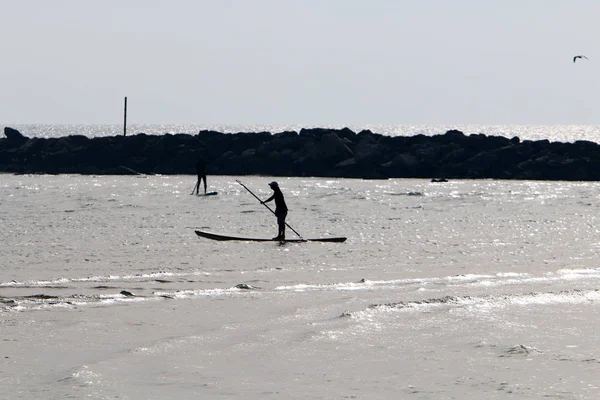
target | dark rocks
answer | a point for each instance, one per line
(13, 135)
(310, 152)
(245, 286)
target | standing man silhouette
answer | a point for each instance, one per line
(281, 209)
(201, 171)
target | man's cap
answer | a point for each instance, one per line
(274, 184)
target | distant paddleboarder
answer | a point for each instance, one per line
(582, 56)
(201, 171)
(281, 209)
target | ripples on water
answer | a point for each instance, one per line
(499, 277)
(403, 235)
(555, 133)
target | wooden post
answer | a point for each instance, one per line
(125, 119)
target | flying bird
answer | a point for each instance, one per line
(576, 57)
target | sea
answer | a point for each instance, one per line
(468, 289)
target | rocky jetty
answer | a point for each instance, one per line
(310, 152)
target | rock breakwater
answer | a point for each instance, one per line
(309, 152)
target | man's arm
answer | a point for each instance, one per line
(269, 199)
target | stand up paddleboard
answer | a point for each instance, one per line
(215, 236)
(207, 194)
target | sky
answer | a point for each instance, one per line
(313, 62)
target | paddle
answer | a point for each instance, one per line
(261, 202)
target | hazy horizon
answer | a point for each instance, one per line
(299, 63)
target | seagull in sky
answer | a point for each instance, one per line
(576, 57)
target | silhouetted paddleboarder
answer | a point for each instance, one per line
(281, 209)
(582, 56)
(201, 171)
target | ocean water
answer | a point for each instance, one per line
(473, 289)
(559, 133)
